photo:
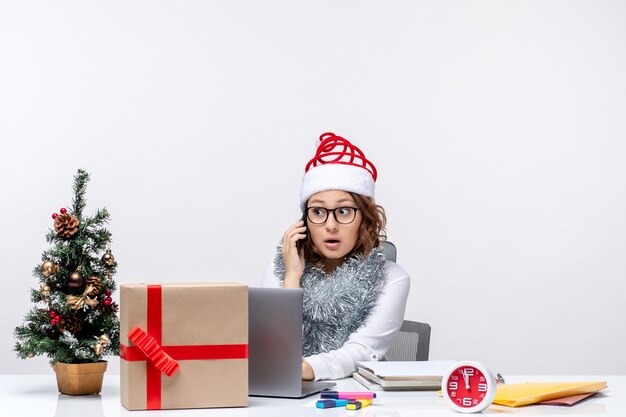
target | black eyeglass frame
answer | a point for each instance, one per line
(328, 211)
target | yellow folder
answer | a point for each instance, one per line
(516, 395)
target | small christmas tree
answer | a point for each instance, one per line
(77, 322)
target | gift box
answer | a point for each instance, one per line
(183, 346)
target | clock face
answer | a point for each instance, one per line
(468, 387)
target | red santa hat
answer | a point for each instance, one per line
(337, 165)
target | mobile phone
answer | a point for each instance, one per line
(300, 242)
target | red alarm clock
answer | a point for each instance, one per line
(468, 387)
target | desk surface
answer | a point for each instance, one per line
(36, 395)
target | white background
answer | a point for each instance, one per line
(497, 128)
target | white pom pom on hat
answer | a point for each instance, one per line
(337, 165)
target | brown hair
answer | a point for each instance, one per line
(371, 231)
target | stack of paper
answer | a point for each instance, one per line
(411, 375)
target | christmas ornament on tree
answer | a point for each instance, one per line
(70, 323)
(72, 284)
(75, 280)
(77, 303)
(108, 309)
(44, 289)
(66, 225)
(54, 318)
(49, 268)
(104, 339)
(108, 258)
(96, 283)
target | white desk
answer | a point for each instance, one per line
(36, 395)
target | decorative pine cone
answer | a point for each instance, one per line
(71, 323)
(66, 225)
(96, 282)
(110, 309)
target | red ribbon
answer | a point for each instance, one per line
(149, 347)
(334, 149)
(163, 358)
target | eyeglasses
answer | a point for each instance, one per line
(343, 215)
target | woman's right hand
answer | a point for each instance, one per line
(293, 259)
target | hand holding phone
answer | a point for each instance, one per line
(293, 256)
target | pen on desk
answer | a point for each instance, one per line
(330, 403)
(358, 404)
(347, 395)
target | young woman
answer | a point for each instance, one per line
(354, 300)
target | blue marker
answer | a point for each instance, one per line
(330, 403)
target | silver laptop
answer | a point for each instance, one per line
(275, 344)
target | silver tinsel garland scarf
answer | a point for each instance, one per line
(336, 304)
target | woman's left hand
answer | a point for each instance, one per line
(307, 371)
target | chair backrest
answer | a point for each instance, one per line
(413, 340)
(389, 250)
(411, 344)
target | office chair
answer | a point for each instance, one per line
(412, 342)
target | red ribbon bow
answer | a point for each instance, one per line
(149, 346)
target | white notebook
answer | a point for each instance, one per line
(407, 370)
